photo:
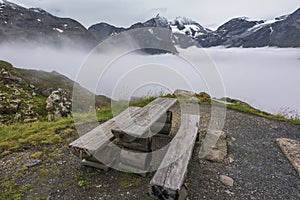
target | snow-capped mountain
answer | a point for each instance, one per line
(149, 36)
(35, 25)
(186, 26)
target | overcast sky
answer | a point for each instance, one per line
(209, 13)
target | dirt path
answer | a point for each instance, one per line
(260, 170)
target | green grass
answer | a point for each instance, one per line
(250, 110)
(82, 183)
(130, 180)
(13, 190)
(142, 101)
(257, 112)
(24, 136)
(21, 136)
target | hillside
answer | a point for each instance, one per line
(25, 95)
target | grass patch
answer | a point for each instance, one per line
(250, 110)
(104, 114)
(19, 136)
(37, 155)
(11, 190)
(141, 102)
(130, 180)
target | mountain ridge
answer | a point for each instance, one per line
(37, 26)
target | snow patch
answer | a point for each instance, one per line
(265, 23)
(191, 30)
(38, 10)
(38, 20)
(59, 30)
(150, 30)
(271, 30)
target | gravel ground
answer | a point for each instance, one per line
(260, 170)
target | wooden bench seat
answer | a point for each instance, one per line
(168, 180)
(93, 147)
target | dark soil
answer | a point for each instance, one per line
(260, 170)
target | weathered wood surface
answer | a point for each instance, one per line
(136, 160)
(168, 180)
(97, 139)
(138, 125)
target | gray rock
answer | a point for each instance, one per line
(226, 180)
(231, 141)
(30, 120)
(33, 162)
(183, 93)
(214, 146)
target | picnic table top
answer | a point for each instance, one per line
(140, 121)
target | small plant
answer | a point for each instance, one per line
(37, 155)
(129, 180)
(288, 113)
(27, 187)
(125, 183)
(82, 183)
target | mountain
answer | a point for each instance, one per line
(155, 33)
(283, 31)
(240, 32)
(102, 31)
(36, 26)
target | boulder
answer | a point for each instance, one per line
(214, 146)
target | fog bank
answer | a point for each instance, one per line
(267, 78)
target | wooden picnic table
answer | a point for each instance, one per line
(142, 121)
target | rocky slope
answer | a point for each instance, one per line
(34, 25)
(30, 95)
(147, 36)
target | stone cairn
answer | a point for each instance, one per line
(58, 105)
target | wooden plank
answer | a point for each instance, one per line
(94, 164)
(169, 178)
(141, 120)
(98, 138)
(137, 160)
(161, 128)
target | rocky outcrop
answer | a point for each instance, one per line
(102, 31)
(58, 105)
(16, 99)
